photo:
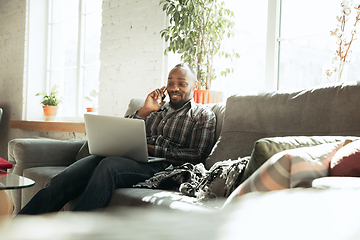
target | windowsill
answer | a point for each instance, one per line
(76, 127)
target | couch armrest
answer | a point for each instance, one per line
(29, 152)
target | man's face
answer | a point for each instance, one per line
(180, 87)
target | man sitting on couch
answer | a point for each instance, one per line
(180, 131)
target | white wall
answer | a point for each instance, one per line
(131, 52)
(132, 61)
(12, 32)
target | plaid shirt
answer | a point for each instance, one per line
(183, 135)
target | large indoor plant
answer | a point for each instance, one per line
(196, 31)
(50, 103)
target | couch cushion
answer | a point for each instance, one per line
(164, 198)
(121, 197)
(322, 111)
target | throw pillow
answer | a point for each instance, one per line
(346, 161)
(274, 174)
(310, 163)
(288, 169)
(266, 147)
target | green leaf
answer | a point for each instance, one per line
(50, 99)
(88, 99)
(53, 89)
(93, 93)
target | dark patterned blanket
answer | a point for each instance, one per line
(195, 181)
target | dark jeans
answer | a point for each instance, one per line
(94, 178)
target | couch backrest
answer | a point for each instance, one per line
(332, 110)
(217, 108)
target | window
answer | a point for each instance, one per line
(306, 46)
(70, 33)
(283, 45)
(73, 54)
(250, 42)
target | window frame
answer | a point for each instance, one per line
(273, 45)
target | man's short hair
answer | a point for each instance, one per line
(192, 69)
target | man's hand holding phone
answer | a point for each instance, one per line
(152, 103)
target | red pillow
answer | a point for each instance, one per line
(5, 164)
(346, 161)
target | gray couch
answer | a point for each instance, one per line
(248, 125)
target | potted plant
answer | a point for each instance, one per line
(50, 103)
(196, 32)
(92, 98)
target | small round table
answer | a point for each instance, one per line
(10, 181)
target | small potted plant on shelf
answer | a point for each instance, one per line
(92, 98)
(50, 103)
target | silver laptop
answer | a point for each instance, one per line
(117, 136)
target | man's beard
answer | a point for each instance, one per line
(176, 105)
(184, 99)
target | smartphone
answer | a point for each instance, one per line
(163, 97)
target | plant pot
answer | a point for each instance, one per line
(50, 112)
(208, 96)
(201, 96)
(90, 109)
